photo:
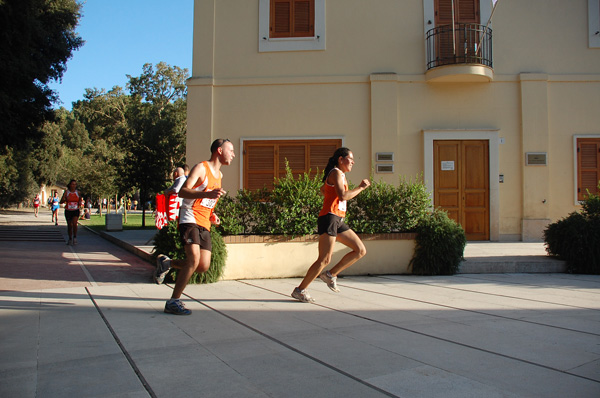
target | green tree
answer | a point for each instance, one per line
(155, 139)
(37, 37)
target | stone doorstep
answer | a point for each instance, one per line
(508, 264)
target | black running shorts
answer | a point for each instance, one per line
(193, 234)
(331, 225)
(69, 214)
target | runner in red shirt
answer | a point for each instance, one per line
(71, 199)
(36, 205)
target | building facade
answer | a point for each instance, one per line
(501, 120)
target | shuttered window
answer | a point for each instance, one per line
(463, 40)
(588, 166)
(465, 11)
(292, 18)
(265, 160)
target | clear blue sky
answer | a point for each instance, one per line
(120, 37)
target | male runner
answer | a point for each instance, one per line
(200, 192)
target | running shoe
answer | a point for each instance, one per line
(74, 240)
(302, 295)
(70, 242)
(163, 265)
(176, 307)
(330, 280)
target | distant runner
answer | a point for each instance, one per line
(71, 199)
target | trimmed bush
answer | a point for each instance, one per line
(167, 241)
(292, 208)
(576, 238)
(440, 245)
(385, 208)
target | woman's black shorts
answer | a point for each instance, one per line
(69, 214)
(331, 225)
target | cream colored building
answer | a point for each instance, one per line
(492, 118)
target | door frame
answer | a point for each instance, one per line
(491, 135)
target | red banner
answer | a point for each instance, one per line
(161, 212)
(166, 212)
(173, 209)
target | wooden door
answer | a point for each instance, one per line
(461, 184)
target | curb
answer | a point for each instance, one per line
(123, 245)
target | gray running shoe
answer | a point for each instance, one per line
(330, 280)
(74, 240)
(163, 265)
(176, 307)
(302, 295)
(70, 242)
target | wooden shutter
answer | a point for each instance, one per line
(465, 11)
(292, 18)
(265, 160)
(466, 40)
(588, 166)
(259, 165)
(468, 11)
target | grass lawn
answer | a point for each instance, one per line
(134, 221)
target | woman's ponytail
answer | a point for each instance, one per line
(333, 161)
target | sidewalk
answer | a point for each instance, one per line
(485, 335)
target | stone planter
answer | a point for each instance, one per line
(114, 222)
(263, 257)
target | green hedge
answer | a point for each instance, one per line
(293, 205)
(576, 238)
(440, 245)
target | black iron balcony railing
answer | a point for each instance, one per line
(463, 44)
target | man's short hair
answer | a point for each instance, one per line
(218, 143)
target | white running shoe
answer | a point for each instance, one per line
(330, 280)
(302, 295)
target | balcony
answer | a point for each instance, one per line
(459, 54)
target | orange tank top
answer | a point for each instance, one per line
(331, 203)
(72, 200)
(198, 211)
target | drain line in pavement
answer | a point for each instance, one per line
(475, 311)
(491, 294)
(289, 347)
(83, 268)
(434, 337)
(137, 371)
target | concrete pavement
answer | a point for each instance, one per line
(86, 321)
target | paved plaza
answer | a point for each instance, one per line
(87, 321)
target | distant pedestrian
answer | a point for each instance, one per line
(178, 180)
(36, 205)
(331, 225)
(201, 192)
(71, 199)
(55, 206)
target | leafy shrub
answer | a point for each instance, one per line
(167, 241)
(440, 245)
(245, 214)
(292, 208)
(294, 204)
(385, 208)
(576, 238)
